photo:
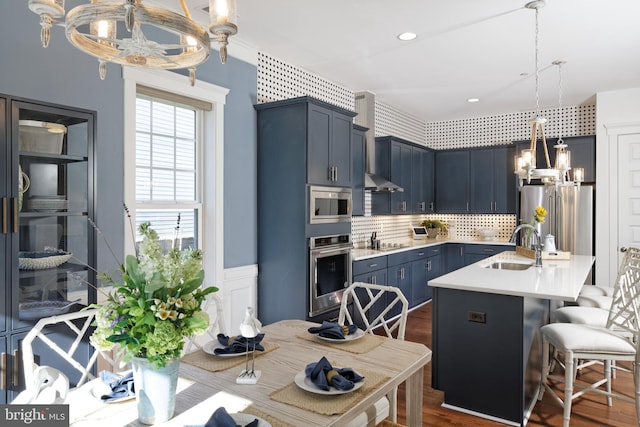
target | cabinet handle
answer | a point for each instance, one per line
(467, 206)
(429, 265)
(335, 174)
(420, 253)
(3, 371)
(431, 208)
(373, 280)
(15, 215)
(373, 265)
(488, 250)
(461, 254)
(16, 368)
(4, 217)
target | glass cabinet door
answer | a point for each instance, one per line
(54, 245)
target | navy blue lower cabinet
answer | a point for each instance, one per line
(454, 256)
(400, 276)
(474, 253)
(474, 333)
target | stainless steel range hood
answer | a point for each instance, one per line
(374, 182)
(365, 107)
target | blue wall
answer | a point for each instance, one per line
(63, 75)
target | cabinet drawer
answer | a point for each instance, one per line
(368, 265)
(486, 249)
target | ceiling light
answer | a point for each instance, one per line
(93, 28)
(473, 100)
(407, 36)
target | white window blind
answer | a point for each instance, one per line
(167, 168)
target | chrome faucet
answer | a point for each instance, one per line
(538, 245)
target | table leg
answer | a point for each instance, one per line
(414, 390)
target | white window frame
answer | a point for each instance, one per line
(211, 229)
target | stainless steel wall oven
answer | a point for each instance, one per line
(329, 271)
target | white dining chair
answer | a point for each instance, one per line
(212, 305)
(373, 305)
(617, 341)
(70, 358)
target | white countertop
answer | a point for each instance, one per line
(557, 279)
(358, 254)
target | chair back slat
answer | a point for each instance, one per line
(394, 327)
(213, 307)
(624, 313)
(68, 354)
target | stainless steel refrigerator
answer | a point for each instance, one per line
(569, 218)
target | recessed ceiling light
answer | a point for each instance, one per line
(473, 100)
(407, 36)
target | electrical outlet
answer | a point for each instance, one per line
(477, 316)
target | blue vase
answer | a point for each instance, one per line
(155, 390)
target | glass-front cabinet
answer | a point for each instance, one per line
(49, 264)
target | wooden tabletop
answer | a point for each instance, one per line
(200, 391)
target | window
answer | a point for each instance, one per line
(167, 178)
(173, 161)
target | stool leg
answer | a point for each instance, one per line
(607, 376)
(568, 386)
(545, 366)
(636, 381)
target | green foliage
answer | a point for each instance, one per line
(435, 223)
(157, 304)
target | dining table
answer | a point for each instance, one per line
(207, 382)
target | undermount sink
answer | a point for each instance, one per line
(501, 265)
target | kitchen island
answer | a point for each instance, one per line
(487, 346)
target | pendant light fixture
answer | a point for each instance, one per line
(525, 163)
(563, 156)
(183, 43)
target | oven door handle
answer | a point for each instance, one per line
(331, 251)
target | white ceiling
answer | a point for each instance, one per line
(464, 49)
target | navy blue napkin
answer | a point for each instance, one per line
(238, 344)
(221, 418)
(333, 330)
(322, 374)
(120, 386)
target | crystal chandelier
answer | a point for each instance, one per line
(113, 31)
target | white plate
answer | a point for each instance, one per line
(305, 383)
(359, 333)
(212, 345)
(242, 419)
(99, 389)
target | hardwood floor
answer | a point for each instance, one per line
(588, 410)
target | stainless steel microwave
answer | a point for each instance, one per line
(329, 204)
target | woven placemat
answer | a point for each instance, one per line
(326, 404)
(363, 345)
(216, 363)
(275, 422)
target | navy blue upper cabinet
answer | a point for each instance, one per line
(422, 180)
(411, 167)
(582, 149)
(358, 140)
(452, 181)
(478, 180)
(401, 175)
(329, 145)
(492, 180)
